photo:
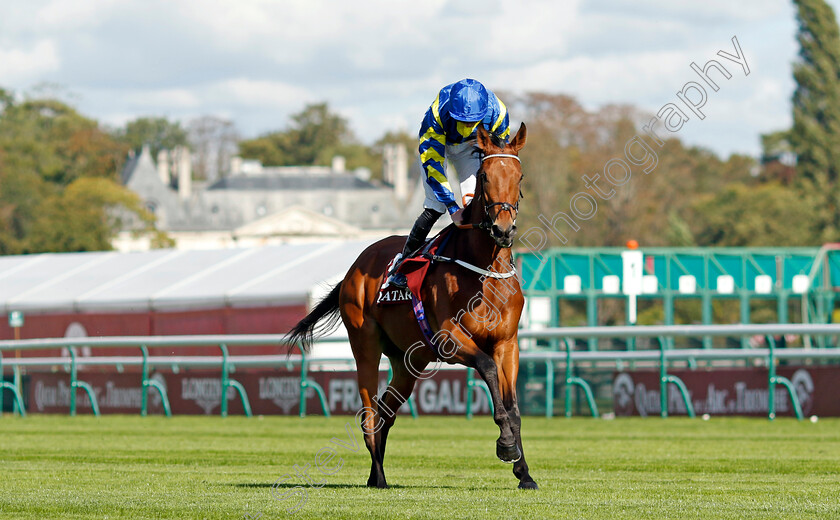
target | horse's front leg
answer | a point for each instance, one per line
(507, 360)
(506, 447)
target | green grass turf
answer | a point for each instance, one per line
(208, 467)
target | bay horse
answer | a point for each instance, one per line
(458, 304)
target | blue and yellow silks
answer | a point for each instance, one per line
(439, 129)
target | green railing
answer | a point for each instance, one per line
(665, 354)
(571, 381)
(226, 363)
(148, 382)
(660, 358)
(13, 388)
(548, 274)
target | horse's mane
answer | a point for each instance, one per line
(497, 141)
(470, 207)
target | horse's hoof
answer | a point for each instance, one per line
(374, 483)
(508, 454)
(528, 485)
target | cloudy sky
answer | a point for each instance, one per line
(380, 63)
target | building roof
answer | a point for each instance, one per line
(129, 167)
(171, 279)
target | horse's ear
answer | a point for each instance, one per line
(519, 140)
(484, 142)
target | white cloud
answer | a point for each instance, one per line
(166, 99)
(694, 12)
(67, 15)
(18, 65)
(502, 32)
(382, 63)
(243, 92)
(633, 78)
(743, 10)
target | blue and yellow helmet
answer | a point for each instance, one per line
(468, 101)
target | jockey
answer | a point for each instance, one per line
(449, 132)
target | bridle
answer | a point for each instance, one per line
(513, 209)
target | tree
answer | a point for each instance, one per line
(768, 214)
(21, 196)
(376, 152)
(51, 139)
(82, 217)
(6, 99)
(777, 157)
(567, 141)
(58, 179)
(157, 132)
(410, 141)
(316, 128)
(816, 112)
(315, 135)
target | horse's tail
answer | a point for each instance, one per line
(304, 333)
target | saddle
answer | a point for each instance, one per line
(414, 268)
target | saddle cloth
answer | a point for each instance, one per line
(414, 268)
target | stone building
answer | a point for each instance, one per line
(257, 205)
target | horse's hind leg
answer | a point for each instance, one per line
(367, 349)
(506, 447)
(368, 377)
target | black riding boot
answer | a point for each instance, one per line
(416, 238)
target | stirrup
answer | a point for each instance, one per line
(398, 280)
(394, 278)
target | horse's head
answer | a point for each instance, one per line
(499, 180)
